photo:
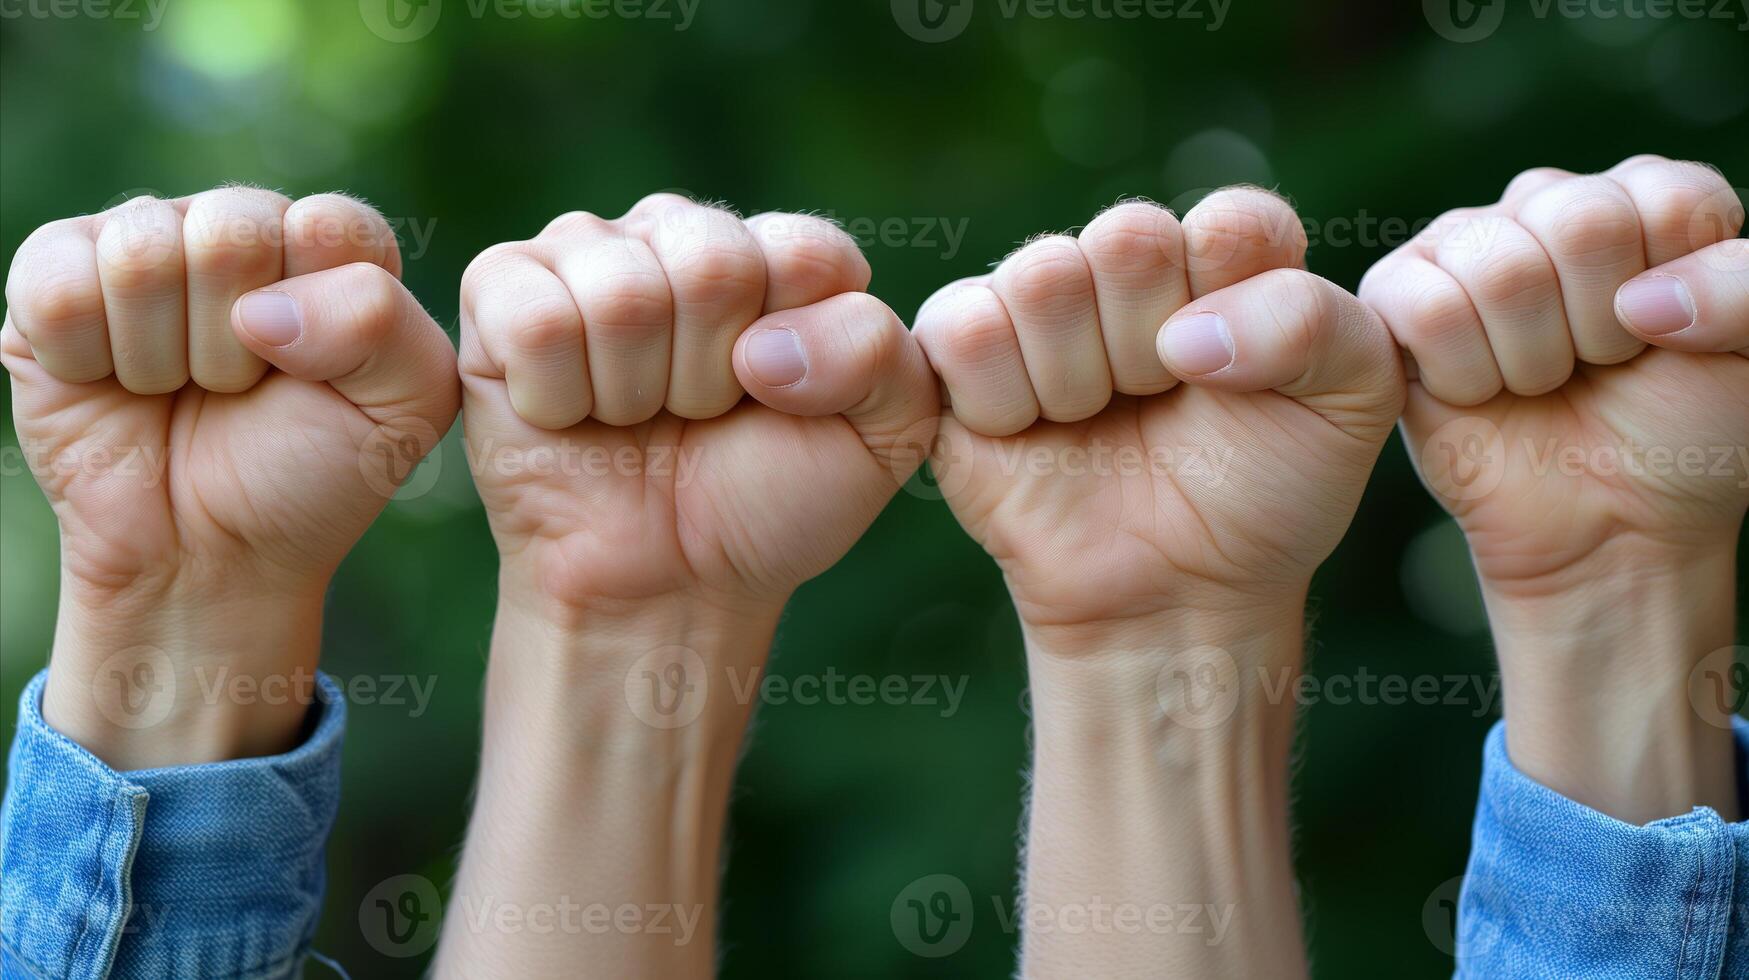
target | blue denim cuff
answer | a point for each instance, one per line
(212, 871)
(1556, 889)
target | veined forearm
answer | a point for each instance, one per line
(1158, 840)
(604, 784)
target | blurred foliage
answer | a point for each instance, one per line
(489, 125)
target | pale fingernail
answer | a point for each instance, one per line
(775, 358)
(270, 317)
(1197, 345)
(1655, 306)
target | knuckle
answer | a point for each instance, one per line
(1513, 276)
(572, 223)
(137, 251)
(1438, 310)
(233, 230)
(335, 220)
(801, 248)
(1047, 271)
(1588, 219)
(50, 302)
(1299, 301)
(662, 200)
(375, 297)
(717, 272)
(1236, 219)
(490, 266)
(1690, 202)
(542, 322)
(630, 301)
(976, 329)
(1134, 237)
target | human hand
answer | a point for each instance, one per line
(217, 394)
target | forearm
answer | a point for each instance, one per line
(1609, 679)
(610, 747)
(1158, 841)
(147, 678)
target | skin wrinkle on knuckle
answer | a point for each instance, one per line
(1513, 277)
(1594, 228)
(1134, 239)
(1045, 273)
(1238, 220)
(49, 302)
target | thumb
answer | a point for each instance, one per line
(1297, 334)
(358, 329)
(1698, 303)
(850, 356)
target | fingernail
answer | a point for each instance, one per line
(1198, 345)
(1655, 306)
(775, 359)
(271, 318)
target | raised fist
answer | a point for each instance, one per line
(1580, 373)
(607, 367)
(1107, 490)
(218, 394)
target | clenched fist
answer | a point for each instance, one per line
(1159, 431)
(1581, 406)
(608, 366)
(218, 394)
(1105, 488)
(674, 419)
(1581, 346)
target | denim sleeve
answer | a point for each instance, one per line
(1557, 890)
(194, 871)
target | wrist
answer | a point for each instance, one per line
(1603, 669)
(151, 677)
(1161, 772)
(1200, 665)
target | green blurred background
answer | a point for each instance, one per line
(477, 123)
